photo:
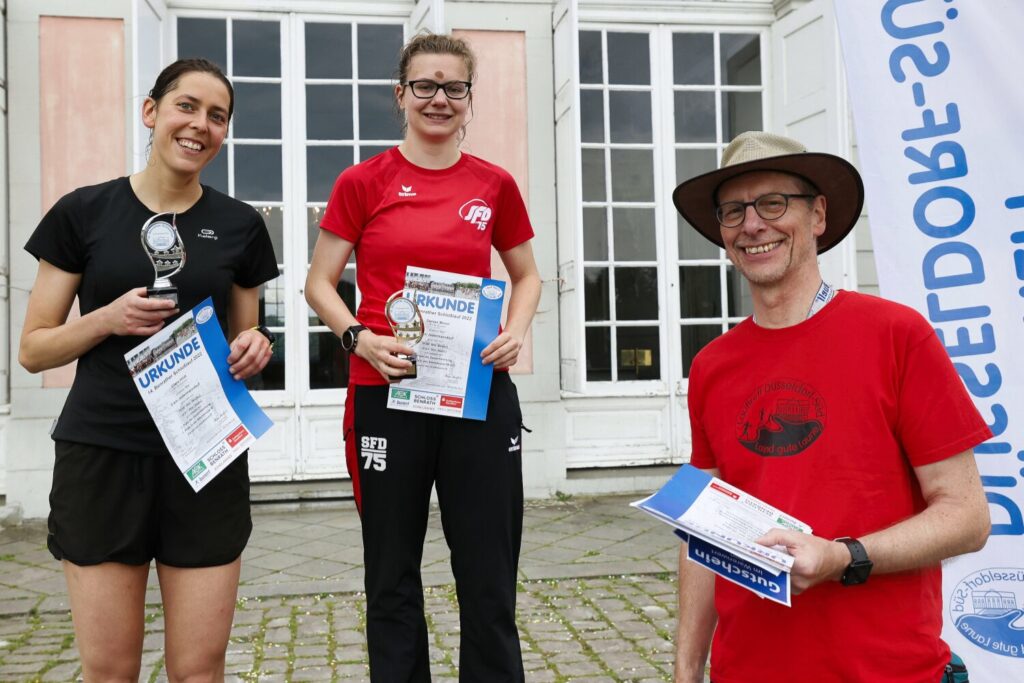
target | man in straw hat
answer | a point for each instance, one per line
(839, 408)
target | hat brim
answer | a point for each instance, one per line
(835, 177)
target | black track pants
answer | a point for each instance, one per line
(394, 458)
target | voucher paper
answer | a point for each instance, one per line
(461, 315)
(206, 417)
(722, 524)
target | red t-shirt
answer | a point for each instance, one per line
(398, 215)
(826, 421)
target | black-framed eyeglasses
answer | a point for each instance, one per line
(426, 89)
(770, 207)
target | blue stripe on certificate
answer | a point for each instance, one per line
(478, 383)
(251, 415)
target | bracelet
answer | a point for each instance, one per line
(271, 337)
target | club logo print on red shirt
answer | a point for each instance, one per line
(476, 212)
(781, 418)
(406, 191)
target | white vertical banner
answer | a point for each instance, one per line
(935, 87)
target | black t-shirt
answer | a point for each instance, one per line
(96, 231)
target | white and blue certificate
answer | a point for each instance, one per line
(461, 315)
(721, 524)
(206, 417)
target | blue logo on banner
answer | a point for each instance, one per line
(986, 608)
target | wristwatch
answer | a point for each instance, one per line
(271, 337)
(859, 569)
(350, 337)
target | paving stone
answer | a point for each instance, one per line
(595, 600)
(67, 671)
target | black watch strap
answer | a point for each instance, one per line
(859, 569)
(271, 337)
(350, 337)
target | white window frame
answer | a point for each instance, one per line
(671, 381)
(293, 142)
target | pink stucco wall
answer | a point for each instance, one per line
(498, 129)
(81, 114)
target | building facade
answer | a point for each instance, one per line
(597, 108)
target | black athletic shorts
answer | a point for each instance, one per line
(113, 506)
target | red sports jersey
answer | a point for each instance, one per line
(398, 215)
(826, 420)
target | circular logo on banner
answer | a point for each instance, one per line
(985, 608)
(204, 314)
(160, 236)
(781, 418)
(491, 291)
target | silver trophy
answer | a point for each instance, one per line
(165, 251)
(406, 322)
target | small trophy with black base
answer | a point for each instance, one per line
(162, 243)
(406, 322)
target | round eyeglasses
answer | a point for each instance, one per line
(426, 89)
(770, 207)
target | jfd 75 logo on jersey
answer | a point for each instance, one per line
(375, 451)
(476, 212)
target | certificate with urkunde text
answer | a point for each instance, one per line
(461, 315)
(206, 417)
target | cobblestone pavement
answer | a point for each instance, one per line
(596, 599)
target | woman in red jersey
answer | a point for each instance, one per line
(426, 203)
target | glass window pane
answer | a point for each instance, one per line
(599, 354)
(629, 116)
(258, 173)
(694, 162)
(596, 304)
(638, 353)
(690, 163)
(636, 293)
(692, 244)
(632, 175)
(595, 233)
(368, 151)
(629, 61)
(738, 291)
(700, 292)
(379, 46)
(634, 235)
(593, 175)
(215, 173)
(693, 59)
(741, 58)
(256, 48)
(694, 338)
(741, 111)
(347, 292)
(207, 38)
(590, 57)
(377, 117)
(257, 111)
(273, 216)
(328, 51)
(695, 116)
(328, 112)
(323, 166)
(272, 376)
(328, 362)
(591, 116)
(272, 302)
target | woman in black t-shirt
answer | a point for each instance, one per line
(118, 499)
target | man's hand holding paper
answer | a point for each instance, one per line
(815, 559)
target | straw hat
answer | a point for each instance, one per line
(834, 177)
